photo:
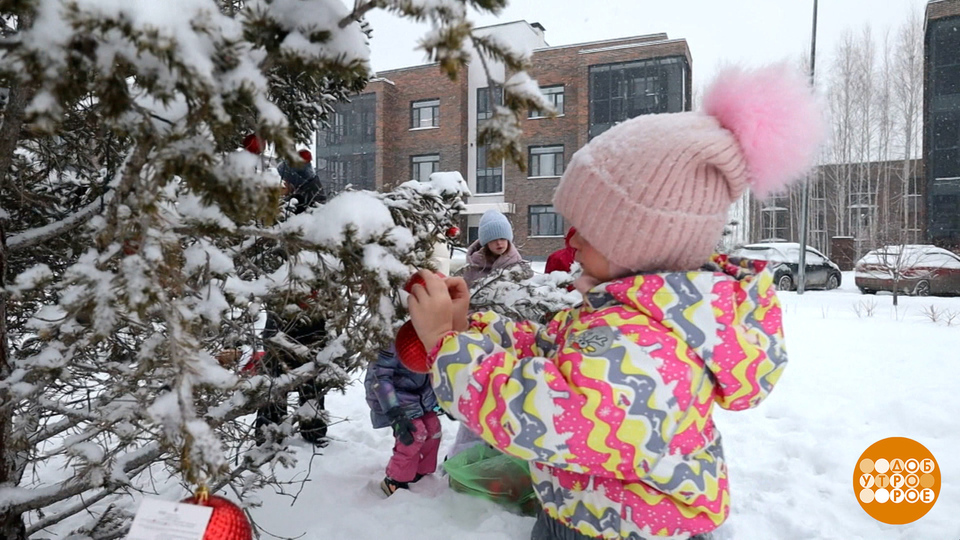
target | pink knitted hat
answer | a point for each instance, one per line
(652, 193)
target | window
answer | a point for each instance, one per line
(421, 167)
(338, 127)
(862, 213)
(818, 214)
(554, 95)
(346, 148)
(353, 123)
(775, 218)
(944, 173)
(338, 172)
(944, 208)
(912, 210)
(546, 160)
(813, 259)
(487, 100)
(946, 61)
(545, 221)
(760, 253)
(425, 114)
(946, 145)
(622, 91)
(489, 177)
(947, 80)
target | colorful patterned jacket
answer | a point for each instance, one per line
(612, 401)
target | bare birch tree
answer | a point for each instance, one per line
(883, 120)
(908, 105)
(842, 98)
(875, 100)
(862, 202)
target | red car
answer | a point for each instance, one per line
(919, 270)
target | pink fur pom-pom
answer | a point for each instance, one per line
(776, 118)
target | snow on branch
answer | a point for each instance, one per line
(34, 237)
(117, 314)
(515, 294)
(343, 262)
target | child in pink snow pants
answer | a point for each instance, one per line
(405, 401)
(612, 402)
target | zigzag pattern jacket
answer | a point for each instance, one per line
(612, 401)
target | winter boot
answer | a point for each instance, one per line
(314, 430)
(390, 486)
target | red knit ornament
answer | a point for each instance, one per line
(253, 144)
(228, 522)
(410, 350)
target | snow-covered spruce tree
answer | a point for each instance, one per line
(136, 241)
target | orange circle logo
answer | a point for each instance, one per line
(896, 480)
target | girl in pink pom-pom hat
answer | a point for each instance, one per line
(611, 402)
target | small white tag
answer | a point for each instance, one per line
(165, 520)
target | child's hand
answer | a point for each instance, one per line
(229, 357)
(403, 428)
(431, 309)
(460, 296)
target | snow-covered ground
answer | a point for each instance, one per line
(853, 379)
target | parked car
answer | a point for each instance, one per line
(923, 270)
(784, 261)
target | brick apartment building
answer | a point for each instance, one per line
(413, 121)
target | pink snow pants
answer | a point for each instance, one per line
(421, 456)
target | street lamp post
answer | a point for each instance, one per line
(805, 190)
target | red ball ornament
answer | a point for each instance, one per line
(253, 144)
(417, 279)
(228, 522)
(453, 232)
(131, 246)
(410, 350)
(306, 155)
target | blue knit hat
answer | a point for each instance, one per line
(494, 226)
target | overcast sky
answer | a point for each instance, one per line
(717, 31)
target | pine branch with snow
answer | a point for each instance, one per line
(511, 293)
(140, 242)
